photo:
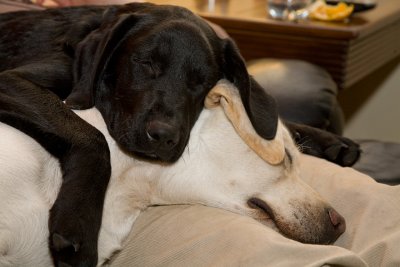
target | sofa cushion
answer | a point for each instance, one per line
(305, 93)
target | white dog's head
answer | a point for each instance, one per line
(226, 165)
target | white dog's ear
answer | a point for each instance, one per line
(228, 96)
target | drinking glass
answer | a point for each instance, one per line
(288, 9)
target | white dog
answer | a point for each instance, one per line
(225, 165)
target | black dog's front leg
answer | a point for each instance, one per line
(75, 217)
(323, 144)
(84, 156)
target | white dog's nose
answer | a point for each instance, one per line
(338, 222)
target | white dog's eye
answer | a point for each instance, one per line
(289, 156)
(257, 203)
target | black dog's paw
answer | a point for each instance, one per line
(323, 144)
(342, 151)
(72, 241)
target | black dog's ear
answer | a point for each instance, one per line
(93, 54)
(260, 107)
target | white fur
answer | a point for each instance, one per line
(217, 169)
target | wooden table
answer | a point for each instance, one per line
(349, 51)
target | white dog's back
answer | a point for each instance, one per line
(216, 169)
(29, 182)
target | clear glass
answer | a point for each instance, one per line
(288, 9)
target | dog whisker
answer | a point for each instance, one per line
(302, 144)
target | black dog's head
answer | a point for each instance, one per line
(148, 68)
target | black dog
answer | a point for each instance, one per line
(147, 69)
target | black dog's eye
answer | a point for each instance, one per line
(200, 86)
(195, 87)
(148, 66)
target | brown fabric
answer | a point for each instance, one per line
(185, 235)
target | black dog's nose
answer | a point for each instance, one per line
(166, 135)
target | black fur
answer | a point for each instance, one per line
(146, 68)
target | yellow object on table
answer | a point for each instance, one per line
(322, 11)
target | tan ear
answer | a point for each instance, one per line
(227, 95)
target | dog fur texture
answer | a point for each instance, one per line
(217, 169)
